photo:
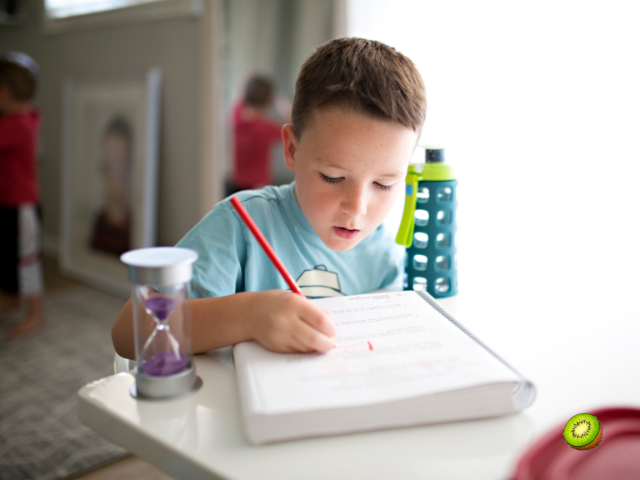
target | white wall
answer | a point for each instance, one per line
(173, 45)
(537, 104)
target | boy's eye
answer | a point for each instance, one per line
(330, 179)
(339, 179)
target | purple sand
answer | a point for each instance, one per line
(161, 306)
(165, 363)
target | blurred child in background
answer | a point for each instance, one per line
(20, 262)
(254, 135)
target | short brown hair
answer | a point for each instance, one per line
(258, 92)
(20, 81)
(365, 76)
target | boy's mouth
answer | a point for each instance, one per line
(346, 233)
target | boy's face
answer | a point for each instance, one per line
(349, 169)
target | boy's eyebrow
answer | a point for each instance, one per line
(384, 175)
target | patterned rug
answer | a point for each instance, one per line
(40, 434)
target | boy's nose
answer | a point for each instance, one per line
(355, 203)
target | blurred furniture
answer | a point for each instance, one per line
(616, 457)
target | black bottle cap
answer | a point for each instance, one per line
(434, 155)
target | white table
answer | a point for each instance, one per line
(201, 437)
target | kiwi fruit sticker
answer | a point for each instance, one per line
(583, 432)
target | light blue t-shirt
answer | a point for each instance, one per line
(231, 260)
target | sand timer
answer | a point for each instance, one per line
(161, 320)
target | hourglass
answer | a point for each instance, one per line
(161, 321)
(162, 349)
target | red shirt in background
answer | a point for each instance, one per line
(253, 139)
(18, 169)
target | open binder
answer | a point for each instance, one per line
(400, 360)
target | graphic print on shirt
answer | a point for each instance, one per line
(319, 283)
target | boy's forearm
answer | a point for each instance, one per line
(220, 322)
(215, 323)
(122, 332)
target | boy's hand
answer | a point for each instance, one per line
(283, 321)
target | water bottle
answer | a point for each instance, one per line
(428, 226)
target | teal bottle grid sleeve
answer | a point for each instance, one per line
(428, 228)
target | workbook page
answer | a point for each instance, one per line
(389, 346)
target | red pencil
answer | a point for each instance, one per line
(265, 245)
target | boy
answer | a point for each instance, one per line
(20, 267)
(253, 136)
(358, 111)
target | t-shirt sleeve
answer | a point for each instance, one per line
(220, 243)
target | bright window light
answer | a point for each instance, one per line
(71, 8)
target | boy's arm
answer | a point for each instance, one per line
(280, 320)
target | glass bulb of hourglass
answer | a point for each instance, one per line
(162, 350)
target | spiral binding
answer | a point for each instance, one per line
(524, 394)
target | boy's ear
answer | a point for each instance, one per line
(290, 144)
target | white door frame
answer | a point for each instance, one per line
(211, 177)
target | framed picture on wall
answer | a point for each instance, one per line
(110, 174)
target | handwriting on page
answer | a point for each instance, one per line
(351, 347)
(387, 332)
(372, 319)
(386, 348)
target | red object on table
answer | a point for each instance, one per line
(617, 457)
(265, 245)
